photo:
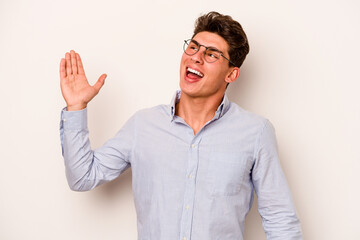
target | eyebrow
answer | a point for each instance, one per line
(208, 47)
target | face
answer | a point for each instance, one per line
(200, 79)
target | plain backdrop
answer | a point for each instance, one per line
(302, 73)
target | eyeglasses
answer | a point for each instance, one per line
(211, 54)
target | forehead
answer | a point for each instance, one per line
(212, 39)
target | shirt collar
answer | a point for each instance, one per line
(175, 99)
(221, 110)
(223, 107)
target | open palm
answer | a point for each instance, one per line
(75, 87)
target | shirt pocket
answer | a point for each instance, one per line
(226, 173)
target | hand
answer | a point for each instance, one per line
(75, 87)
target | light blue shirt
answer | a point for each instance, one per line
(186, 186)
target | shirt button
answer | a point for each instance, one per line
(187, 207)
(193, 145)
(64, 119)
(190, 176)
(184, 238)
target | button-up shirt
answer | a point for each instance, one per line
(186, 186)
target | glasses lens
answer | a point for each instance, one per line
(190, 47)
(212, 55)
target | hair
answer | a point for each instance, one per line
(228, 29)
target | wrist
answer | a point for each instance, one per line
(75, 107)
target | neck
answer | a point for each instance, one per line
(196, 112)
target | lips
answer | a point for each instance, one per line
(193, 74)
(193, 71)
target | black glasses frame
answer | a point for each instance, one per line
(186, 44)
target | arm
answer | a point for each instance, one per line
(85, 168)
(275, 204)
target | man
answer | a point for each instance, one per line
(195, 162)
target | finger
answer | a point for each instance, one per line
(68, 64)
(62, 69)
(79, 64)
(73, 62)
(100, 82)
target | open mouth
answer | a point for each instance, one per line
(193, 74)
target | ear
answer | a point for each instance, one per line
(232, 75)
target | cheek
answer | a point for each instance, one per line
(183, 58)
(182, 63)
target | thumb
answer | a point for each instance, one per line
(100, 82)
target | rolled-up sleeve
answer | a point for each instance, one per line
(86, 168)
(275, 203)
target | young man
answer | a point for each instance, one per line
(195, 162)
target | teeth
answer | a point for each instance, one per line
(195, 72)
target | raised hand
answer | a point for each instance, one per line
(75, 87)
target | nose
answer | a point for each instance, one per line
(198, 57)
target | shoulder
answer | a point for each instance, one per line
(239, 115)
(157, 110)
(260, 126)
(153, 114)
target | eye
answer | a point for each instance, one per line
(193, 46)
(211, 55)
(214, 54)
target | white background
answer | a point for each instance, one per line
(302, 73)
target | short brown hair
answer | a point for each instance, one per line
(230, 30)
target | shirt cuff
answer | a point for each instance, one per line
(74, 120)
